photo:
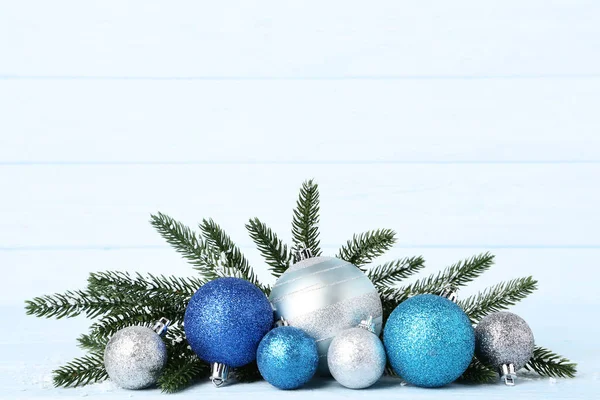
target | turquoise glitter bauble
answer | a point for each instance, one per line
(225, 321)
(429, 340)
(287, 357)
(324, 296)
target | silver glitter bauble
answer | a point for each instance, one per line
(324, 296)
(356, 357)
(135, 357)
(504, 342)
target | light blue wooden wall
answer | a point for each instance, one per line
(465, 126)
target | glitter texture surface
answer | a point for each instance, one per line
(429, 340)
(135, 357)
(287, 357)
(503, 338)
(324, 296)
(225, 321)
(356, 358)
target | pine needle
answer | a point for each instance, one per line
(366, 246)
(547, 363)
(187, 243)
(497, 298)
(393, 272)
(81, 371)
(478, 373)
(305, 229)
(232, 260)
(272, 249)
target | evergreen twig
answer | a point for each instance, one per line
(478, 373)
(272, 249)
(233, 261)
(365, 247)
(547, 363)
(92, 342)
(187, 243)
(247, 373)
(180, 373)
(305, 229)
(393, 272)
(73, 303)
(497, 298)
(456, 275)
(81, 371)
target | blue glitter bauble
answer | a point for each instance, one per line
(225, 321)
(429, 340)
(287, 357)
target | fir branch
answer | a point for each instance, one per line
(81, 371)
(92, 342)
(248, 373)
(272, 249)
(457, 275)
(142, 315)
(393, 272)
(181, 373)
(167, 288)
(497, 298)
(547, 363)
(233, 261)
(305, 229)
(72, 303)
(367, 246)
(187, 243)
(478, 373)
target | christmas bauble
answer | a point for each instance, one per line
(287, 357)
(134, 357)
(356, 357)
(429, 340)
(504, 342)
(225, 321)
(324, 296)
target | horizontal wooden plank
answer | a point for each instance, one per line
(416, 121)
(428, 205)
(339, 38)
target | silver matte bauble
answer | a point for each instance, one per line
(135, 357)
(504, 342)
(324, 296)
(356, 357)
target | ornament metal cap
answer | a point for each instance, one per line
(303, 254)
(368, 324)
(218, 374)
(507, 372)
(450, 293)
(281, 322)
(161, 326)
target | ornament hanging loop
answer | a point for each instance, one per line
(303, 254)
(450, 293)
(281, 322)
(368, 324)
(161, 326)
(219, 374)
(507, 372)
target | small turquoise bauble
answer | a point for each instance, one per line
(287, 357)
(225, 321)
(429, 340)
(324, 296)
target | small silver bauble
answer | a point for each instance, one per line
(356, 356)
(135, 356)
(504, 342)
(324, 296)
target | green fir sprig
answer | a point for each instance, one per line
(114, 300)
(305, 223)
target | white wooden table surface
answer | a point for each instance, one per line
(466, 126)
